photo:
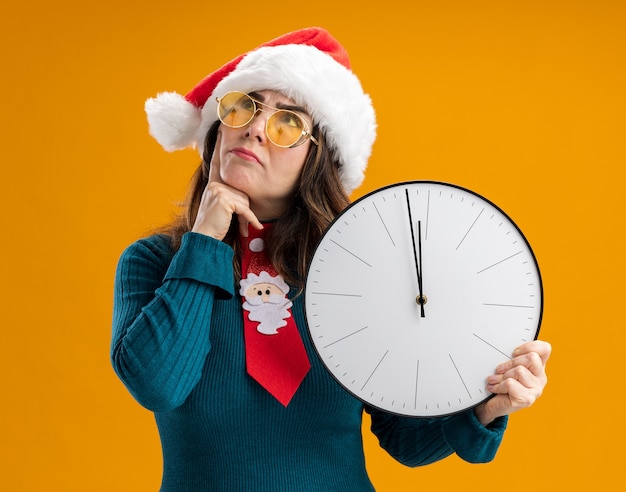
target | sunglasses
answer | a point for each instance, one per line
(284, 128)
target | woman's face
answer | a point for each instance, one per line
(252, 164)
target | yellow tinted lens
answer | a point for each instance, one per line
(284, 128)
(236, 109)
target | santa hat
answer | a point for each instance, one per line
(308, 66)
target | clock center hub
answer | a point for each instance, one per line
(421, 299)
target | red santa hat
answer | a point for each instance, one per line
(309, 66)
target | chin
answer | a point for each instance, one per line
(241, 179)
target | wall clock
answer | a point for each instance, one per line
(416, 292)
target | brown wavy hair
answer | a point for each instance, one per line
(318, 199)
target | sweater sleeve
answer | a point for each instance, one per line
(161, 315)
(417, 442)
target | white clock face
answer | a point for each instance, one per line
(427, 353)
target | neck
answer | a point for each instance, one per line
(268, 212)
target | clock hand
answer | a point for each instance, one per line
(420, 298)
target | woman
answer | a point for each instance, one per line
(209, 329)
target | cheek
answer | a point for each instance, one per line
(289, 166)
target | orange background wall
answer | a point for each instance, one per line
(523, 102)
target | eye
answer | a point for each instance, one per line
(259, 292)
(267, 292)
(246, 104)
(290, 119)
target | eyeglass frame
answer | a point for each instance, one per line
(306, 133)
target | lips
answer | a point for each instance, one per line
(246, 154)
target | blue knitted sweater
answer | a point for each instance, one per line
(178, 347)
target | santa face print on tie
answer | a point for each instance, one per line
(266, 301)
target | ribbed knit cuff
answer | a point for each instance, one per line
(471, 440)
(204, 259)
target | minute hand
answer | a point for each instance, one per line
(416, 253)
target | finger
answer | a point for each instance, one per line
(531, 361)
(523, 375)
(246, 216)
(517, 395)
(532, 378)
(532, 354)
(214, 168)
(542, 348)
(529, 373)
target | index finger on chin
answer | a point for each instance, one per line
(214, 165)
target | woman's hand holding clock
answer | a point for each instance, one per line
(517, 383)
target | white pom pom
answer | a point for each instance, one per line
(173, 120)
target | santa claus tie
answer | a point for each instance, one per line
(275, 354)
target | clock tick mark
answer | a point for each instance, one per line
(459, 374)
(347, 336)
(492, 346)
(507, 305)
(340, 294)
(384, 225)
(471, 227)
(417, 372)
(375, 369)
(350, 252)
(499, 262)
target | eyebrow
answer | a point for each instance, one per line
(296, 109)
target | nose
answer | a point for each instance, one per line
(256, 127)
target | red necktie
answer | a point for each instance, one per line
(275, 354)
